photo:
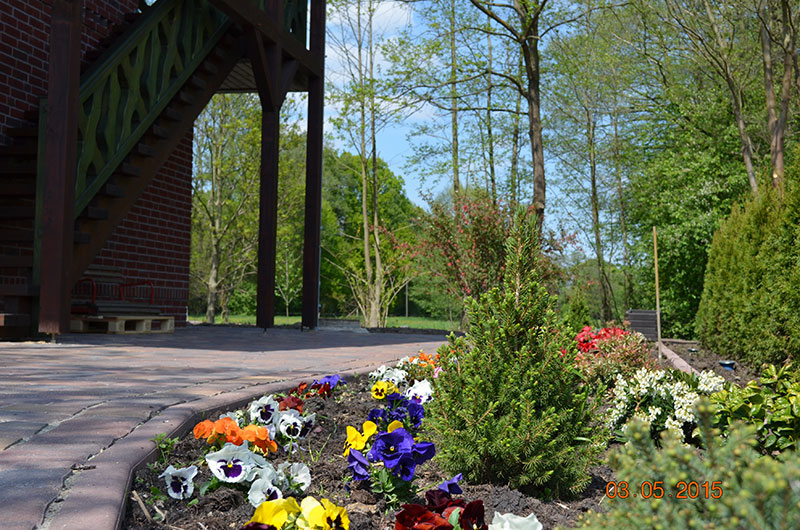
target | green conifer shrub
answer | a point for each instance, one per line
(510, 407)
(737, 488)
(750, 308)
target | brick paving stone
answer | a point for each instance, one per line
(100, 399)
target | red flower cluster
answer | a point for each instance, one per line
(304, 391)
(587, 339)
(434, 515)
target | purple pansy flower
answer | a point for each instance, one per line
(405, 467)
(423, 451)
(376, 415)
(390, 446)
(358, 465)
(451, 486)
(415, 413)
(332, 380)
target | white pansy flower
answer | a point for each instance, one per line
(421, 390)
(377, 374)
(289, 423)
(179, 481)
(509, 521)
(294, 477)
(263, 411)
(233, 463)
(265, 487)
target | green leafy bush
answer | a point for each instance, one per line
(750, 309)
(509, 407)
(772, 405)
(736, 487)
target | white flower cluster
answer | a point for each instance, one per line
(655, 398)
(708, 382)
(398, 376)
(289, 423)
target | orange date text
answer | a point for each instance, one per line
(656, 490)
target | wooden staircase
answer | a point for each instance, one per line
(127, 173)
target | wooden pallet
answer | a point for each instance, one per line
(121, 324)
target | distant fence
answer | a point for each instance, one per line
(643, 321)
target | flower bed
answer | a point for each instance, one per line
(323, 453)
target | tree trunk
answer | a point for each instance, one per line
(454, 99)
(489, 133)
(605, 305)
(627, 293)
(375, 319)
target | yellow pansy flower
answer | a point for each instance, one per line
(396, 424)
(357, 440)
(275, 512)
(381, 389)
(322, 516)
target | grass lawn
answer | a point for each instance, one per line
(393, 322)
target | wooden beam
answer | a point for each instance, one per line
(61, 152)
(313, 214)
(268, 217)
(248, 13)
(265, 60)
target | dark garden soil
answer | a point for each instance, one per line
(228, 508)
(701, 359)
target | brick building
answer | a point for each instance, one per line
(124, 82)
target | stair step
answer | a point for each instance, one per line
(27, 167)
(171, 114)
(160, 132)
(218, 53)
(23, 132)
(81, 238)
(112, 190)
(129, 170)
(8, 235)
(20, 149)
(16, 261)
(209, 67)
(7, 289)
(15, 187)
(17, 212)
(143, 149)
(185, 97)
(94, 213)
(14, 320)
(197, 82)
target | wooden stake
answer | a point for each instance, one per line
(658, 298)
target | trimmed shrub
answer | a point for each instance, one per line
(509, 407)
(750, 308)
(728, 485)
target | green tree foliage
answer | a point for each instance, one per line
(736, 487)
(224, 195)
(751, 301)
(342, 250)
(509, 407)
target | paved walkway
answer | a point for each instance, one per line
(77, 416)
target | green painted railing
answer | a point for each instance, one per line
(131, 85)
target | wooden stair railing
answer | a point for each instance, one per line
(137, 101)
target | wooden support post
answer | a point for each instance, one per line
(61, 151)
(313, 214)
(265, 60)
(658, 297)
(268, 217)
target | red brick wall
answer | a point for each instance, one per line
(153, 242)
(25, 45)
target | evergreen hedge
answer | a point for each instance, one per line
(750, 309)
